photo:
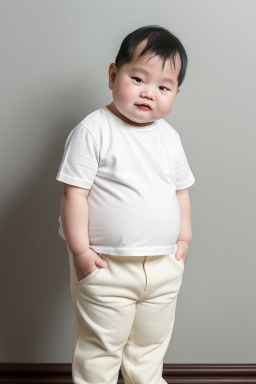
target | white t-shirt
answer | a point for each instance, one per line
(133, 174)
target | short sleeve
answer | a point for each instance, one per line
(184, 175)
(80, 159)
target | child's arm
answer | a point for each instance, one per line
(185, 235)
(74, 217)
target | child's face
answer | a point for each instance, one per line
(131, 87)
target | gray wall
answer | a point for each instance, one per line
(54, 64)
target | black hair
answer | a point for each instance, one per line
(161, 42)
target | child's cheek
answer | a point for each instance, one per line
(165, 106)
(125, 92)
(120, 97)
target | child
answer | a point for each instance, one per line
(126, 216)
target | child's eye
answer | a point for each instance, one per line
(164, 87)
(137, 79)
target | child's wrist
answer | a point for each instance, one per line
(80, 254)
(186, 241)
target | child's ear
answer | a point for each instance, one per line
(111, 75)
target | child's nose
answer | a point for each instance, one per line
(149, 94)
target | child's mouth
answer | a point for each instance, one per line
(144, 107)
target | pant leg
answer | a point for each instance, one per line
(105, 303)
(154, 320)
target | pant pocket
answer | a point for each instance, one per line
(178, 262)
(91, 275)
(86, 279)
(94, 273)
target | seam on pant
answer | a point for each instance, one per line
(153, 286)
(143, 265)
(152, 264)
(154, 274)
(131, 355)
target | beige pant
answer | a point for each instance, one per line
(124, 318)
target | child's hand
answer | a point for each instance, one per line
(182, 250)
(86, 263)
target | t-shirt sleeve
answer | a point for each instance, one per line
(184, 175)
(80, 160)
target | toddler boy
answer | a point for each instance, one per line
(126, 215)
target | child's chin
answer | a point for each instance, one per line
(131, 119)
